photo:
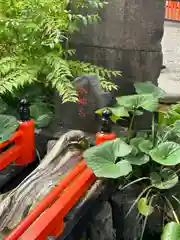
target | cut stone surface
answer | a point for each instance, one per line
(101, 226)
(81, 115)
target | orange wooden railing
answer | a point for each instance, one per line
(22, 147)
(172, 11)
(47, 219)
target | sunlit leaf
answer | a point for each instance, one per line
(149, 87)
(145, 101)
(117, 112)
(167, 153)
(102, 159)
(144, 208)
(171, 231)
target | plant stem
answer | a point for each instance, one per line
(153, 129)
(137, 199)
(130, 126)
(146, 218)
(172, 209)
(135, 181)
(177, 200)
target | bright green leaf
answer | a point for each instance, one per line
(8, 125)
(171, 231)
(144, 208)
(167, 153)
(134, 102)
(102, 159)
(119, 111)
(166, 179)
(149, 87)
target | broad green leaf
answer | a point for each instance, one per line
(3, 106)
(171, 231)
(102, 159)
(134, 151)
(41, 114)
(176, 127)
(167, 153)
(43, 120)
(145, 146)
(117, 112)
(166, 179)
(144, 208)
(149, 87)
(139, 159)
(134, 102)
(8, 125)
(136, 141)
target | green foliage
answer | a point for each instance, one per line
(102, 159)
(144, 101)
(171, 231)
(144, 208)
(149, 88)
(154, 155)
(165, 179)
(166, 153)
(34, 38)
(171, 115)
(41, 108)
(8, 125)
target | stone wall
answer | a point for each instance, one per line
(128, 39)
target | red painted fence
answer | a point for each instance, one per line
(172, 11)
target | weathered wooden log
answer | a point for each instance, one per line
(64, 155)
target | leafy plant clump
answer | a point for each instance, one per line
(8, 126)
(150, 159)
(34, 38)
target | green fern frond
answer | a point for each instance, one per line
(8, 64)
(34, 45)
(18, 78)
(104, 75)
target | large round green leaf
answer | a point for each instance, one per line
(166, 179)
(102, 159)
(8, 125)
(167, 153)
(144, 208)
(171, 231)
(149, 87)
(145, 101)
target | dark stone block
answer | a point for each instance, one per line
(81, 115)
